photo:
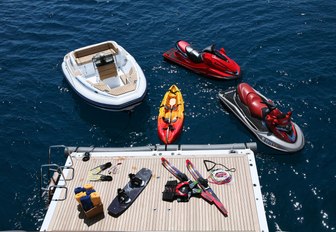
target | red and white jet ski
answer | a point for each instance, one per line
(263, 118)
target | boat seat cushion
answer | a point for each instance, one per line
(123, 78)
(115, 91)
(122, 89)
(132, 76)
(95, 49)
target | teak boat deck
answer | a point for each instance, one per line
(242, 197)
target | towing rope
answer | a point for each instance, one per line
(218, 176)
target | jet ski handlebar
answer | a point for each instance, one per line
(271, 106)
(211, 49)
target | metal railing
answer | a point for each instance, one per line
(52, 176)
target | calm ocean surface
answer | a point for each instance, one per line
(285, 48)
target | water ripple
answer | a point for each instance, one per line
(286, 51)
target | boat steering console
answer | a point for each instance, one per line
(102, 59)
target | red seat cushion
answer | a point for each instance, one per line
(251, 99)
(183, 45)
(243, 90)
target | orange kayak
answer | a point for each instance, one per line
(171, 115)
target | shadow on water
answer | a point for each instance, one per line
(100, 117)
(281, 156)
(115, 125)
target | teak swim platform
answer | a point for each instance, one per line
(242, 197)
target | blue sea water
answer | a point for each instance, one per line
(285, 48)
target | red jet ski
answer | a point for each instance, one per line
(209, 62)
(263, 118)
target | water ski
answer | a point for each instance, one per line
(130, 192)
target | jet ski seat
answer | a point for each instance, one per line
(185, 49)
(252, 100)
(194, 55)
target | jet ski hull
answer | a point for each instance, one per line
(173, 55)
(231, 100)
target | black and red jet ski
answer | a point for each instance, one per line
(263, 118)
(209, 62)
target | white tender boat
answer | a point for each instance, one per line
(106, 76)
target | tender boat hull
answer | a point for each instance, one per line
(129, 105)
(116, 92)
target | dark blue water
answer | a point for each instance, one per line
(285, 48)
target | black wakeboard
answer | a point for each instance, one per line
(130, 192)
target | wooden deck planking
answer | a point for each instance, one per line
(149, 212)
